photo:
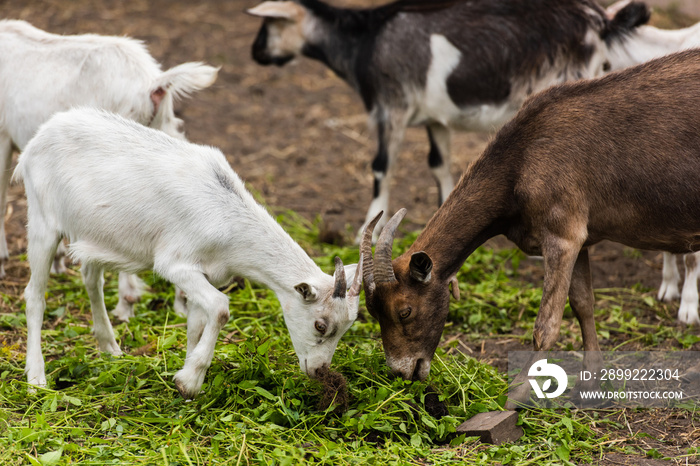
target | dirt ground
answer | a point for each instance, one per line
(297, 135)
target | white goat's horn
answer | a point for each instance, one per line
(340, 283)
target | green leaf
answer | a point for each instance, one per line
(569, 426)
(51, 458)
(265, 393)
(563, 452)
(416, 440)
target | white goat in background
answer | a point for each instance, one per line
(43, 73)
(133, 199)
(640, 45)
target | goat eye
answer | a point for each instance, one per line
(320, 326)
(403, 313)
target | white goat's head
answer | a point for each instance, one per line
(321, 313)
(281, 36)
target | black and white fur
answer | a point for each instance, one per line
(440, 64)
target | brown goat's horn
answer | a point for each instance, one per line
(384, 271)
(366, 257)
(340, 283)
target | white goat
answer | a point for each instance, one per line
(640, 45)
(645, 42)
(131, 198)
(43, 73)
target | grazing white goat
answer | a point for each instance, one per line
(638, 46)
(43, 73)
(131, 198)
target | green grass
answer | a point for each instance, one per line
(256, 406)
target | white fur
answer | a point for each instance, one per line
(43, 73)
(646, 42)
(131, 198)
(668, 291)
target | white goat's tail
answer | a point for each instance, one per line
(181, 80)
(18, 174)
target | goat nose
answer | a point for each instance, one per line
(417, 370)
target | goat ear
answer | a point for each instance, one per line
(307, 292)
(279, 10)
(420, 266)
(349, 272)
(455, 288)
(157, 98)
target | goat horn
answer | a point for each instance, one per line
(366, 257)
(340, 283)
(357, 281)
(384, 271)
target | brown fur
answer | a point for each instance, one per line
(615, 158)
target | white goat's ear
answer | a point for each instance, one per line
(307, 292)
(280, 10)
(349, 273)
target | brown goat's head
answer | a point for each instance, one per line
(409, 301)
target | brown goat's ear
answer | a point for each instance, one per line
(307, 292)
(420, 266)
(455, 288)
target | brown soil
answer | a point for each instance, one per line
(298, 136)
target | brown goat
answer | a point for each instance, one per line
(614, 158)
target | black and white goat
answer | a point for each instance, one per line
(130, 198)
(442, 64)
(43, 73)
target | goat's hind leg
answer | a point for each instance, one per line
(94, 283)
(670, 279)
(41, 249)
(688, 310)
(5, 163)
(130, 290)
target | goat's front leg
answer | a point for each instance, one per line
(670, 279)
(207, 314)
(582, 302)
(439, 159)
(5, 163)
(560, 255)
(93, 279)
(688, 311)
(391, 127)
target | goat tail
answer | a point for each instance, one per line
(624, 17)
(181, 80)
(18, 174)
